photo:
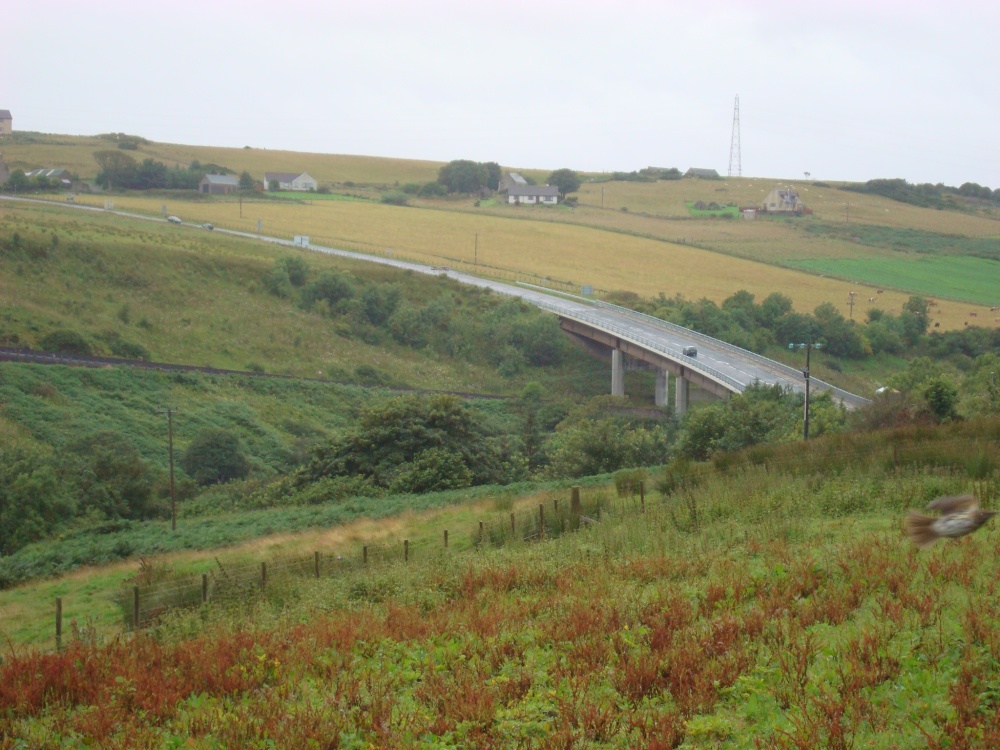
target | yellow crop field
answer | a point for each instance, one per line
(667, 199)
(76, 153)
(581, 255)
(630, 236)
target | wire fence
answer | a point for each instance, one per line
(148, 599)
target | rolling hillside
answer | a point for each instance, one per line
(641, 236)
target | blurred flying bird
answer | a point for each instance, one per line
(960, 515)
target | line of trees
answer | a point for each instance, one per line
(741, 320)
(119, 171)
(926, 194)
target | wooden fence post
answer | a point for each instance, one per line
(642, 495)
(135, 608)
(316, 563)
(574, 502)
(512, 529)
(263, 576)
(555, 505)
(406, 550)
(541, 521)
(364, 554)
(480, 532)
(204, 587)
(58, 623)
(446, 538)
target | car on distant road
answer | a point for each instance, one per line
(689, 351)
(209, 226)
(174, 219)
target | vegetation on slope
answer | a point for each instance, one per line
(768, 602)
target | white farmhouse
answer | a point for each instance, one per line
(290, 181)
(543, 194)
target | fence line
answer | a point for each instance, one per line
(145, 604)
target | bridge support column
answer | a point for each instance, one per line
(617, 373)
(660, 395)
(680, 396)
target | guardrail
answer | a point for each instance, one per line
(648, 343)
(791, 372)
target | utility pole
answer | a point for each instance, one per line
(805, 373)
(170, 437)
(850, 303)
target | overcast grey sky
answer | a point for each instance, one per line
(845, 90)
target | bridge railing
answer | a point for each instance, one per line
(787, 370)
(648, 343)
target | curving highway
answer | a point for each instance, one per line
(717, 362)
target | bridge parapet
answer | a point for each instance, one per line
(849, 399)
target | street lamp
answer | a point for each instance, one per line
(805, 373)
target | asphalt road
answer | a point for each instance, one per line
(729, 365)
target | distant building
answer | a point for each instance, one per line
(6, 122)
(59, 176)
(290, 181)
(218, 184)
(509, 180)
(544, 194)
(705, 174)
(780, 201)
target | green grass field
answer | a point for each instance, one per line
(949, 277)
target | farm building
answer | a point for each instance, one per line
(544, 194)
(290, 181)
(509, 180)
(780, 201)
(55, 176)
(6, 122)
(218, 184)
(705, 174)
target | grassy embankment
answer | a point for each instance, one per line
(198, 298)
(768, 601)
(632, 211)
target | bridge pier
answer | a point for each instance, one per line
(617, 373)
(660, 394)
(680, 395)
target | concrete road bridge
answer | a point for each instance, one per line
(716, 371)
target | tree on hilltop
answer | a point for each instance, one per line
(117, 168)
(466, 176)
(566, 180)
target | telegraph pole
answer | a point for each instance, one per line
(851, 303)
(805, 373)
(170, 437)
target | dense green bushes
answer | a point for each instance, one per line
(33, 501)
(455, 322)
(926, 194)
(742, 321)
(414, 444)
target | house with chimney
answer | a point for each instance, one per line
(783, 201)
